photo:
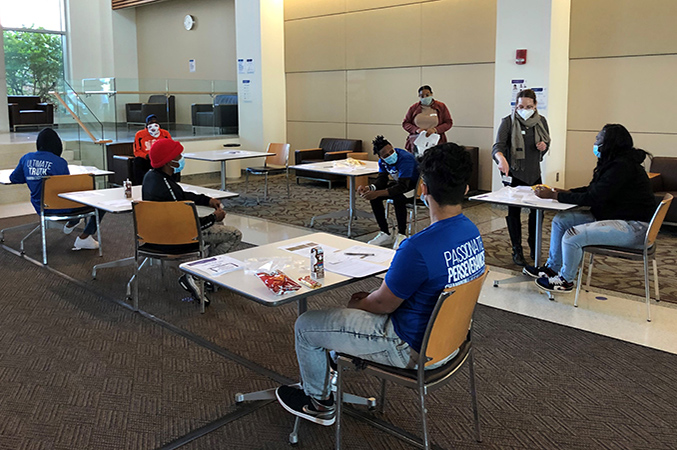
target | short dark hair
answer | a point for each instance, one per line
(425, 86)
(446, 170)
(379, 142)
(526, 93)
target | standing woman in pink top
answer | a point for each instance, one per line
(429, 115)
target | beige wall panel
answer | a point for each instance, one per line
(395, 134)
(477, 137)
(580, 161)
(296, 9)
(361, 5)
(164, 46)
(316, 96)
(384, 38)
(381, 96)
(636, 92)
(622, 27)
(315, 44)
(458, 31)
(656, 144)
(467, 90)
(308, 134)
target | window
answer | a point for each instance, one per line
(34, 42)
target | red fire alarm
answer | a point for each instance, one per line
(521, 56)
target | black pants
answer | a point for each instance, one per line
(400, 204)
(514, 214)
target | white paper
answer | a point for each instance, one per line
(369, 254)
(250, 65)
(191, 65)
(423, 143)
(240, 65)
(354, 268)
(246, 91)
(218, 265)
(303, 248)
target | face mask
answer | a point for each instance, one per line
(392, 159)
(425, 201)
(154, 129)
(182, 164)
(525, 113)
(426, 101)
(595, 150)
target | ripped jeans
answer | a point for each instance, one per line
(573, 230)
(352, 331)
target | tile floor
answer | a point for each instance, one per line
(606, 313)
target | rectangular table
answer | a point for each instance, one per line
(72, 168)
(352, 172)
(524, 197)
(113, 200)
(223, 156)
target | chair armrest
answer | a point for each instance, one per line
(332, 156)
(359, 155)
(122, 166)
(308, 153)
(657, 183)
(123, 157)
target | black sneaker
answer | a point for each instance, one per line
(191, 286)
(298, 403)
(554, 284)
(539, 272)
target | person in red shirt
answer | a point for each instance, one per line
(429, 115)
(143, 141)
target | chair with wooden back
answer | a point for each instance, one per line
(646, 253)
(166, 231)
(279, 163)
(449, 330)
(50, 201)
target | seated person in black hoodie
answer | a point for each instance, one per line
(158, 186)
(621, 206)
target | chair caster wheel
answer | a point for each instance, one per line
(293, 439)
(495, 283)
(239, 398)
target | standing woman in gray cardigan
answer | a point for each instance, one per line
(522, 141)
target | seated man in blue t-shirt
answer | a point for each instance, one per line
(403, 168)
(45, 162)
(387, 325)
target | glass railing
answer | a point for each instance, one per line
(184, 107)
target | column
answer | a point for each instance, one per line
(4, 115)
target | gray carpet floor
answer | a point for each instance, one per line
(78, 370)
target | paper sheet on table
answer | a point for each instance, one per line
(218, 265)
(86, 194)
(368, 254)
(303, 248)
(423, 143)
(354, 268)
(522, 194)
(77, 170)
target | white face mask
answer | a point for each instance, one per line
(154, 129)
(525, 113)
(426, 101)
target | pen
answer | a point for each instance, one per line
(359, 254)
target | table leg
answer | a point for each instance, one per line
(351, 207)
(223, 175)
(539, 237)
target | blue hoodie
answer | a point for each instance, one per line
(33, 167)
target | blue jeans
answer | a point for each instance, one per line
(90, 228)
(353, 331)
(573, 230)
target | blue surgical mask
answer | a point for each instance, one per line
(595, 150)
(182, 164)
(425, 201)
(426, 101)
(391, 160)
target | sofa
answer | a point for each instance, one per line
(665, 182)
(330, 149)
(29, 110)
(222, 114)
(160, 105)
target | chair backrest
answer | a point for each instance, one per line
(340, 144)
(58, 184)
(657, 220)
(281, 157)
(225, 99)
(157, 98)
(166, 223)
(450, 321)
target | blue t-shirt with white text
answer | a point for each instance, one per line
(33, 167)
(448, 253)
(405, 166)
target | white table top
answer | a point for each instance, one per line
(522, 196)
(335, 167)
(113, 199)
(251, 287)
(72, 168)
(225, 155)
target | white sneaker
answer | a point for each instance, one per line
(69, 230)
(398, 240)
(382, 239)
(88, 243)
